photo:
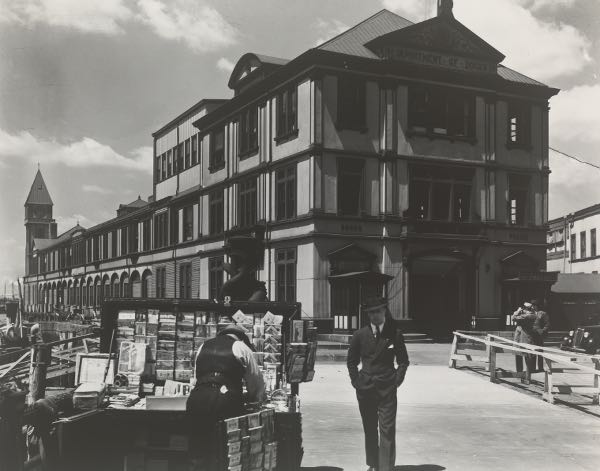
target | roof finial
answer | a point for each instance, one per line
(444, 8)
(38, 165)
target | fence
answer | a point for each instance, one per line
(556, 361)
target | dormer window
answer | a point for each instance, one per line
(217, 150)
(248, 132)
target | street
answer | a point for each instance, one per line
(447, 419)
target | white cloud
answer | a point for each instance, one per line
(329, 29)
(84, 153)
(225, 65)
(541, 49)
(413, 10)
(96, 189)
(574, 115)
(83, 15)
(547, 4)
(201, 27)
(193, 22)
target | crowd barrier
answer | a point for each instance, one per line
(556, 361)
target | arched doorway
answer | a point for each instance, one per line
(441, 292)
(146, 281)
(136, 284)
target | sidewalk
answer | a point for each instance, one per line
(448, 419)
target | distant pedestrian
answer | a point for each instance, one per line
(376, 346)
(541, 326)
(524, 317)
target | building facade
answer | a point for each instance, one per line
(397, 158)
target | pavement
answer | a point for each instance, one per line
(448, 419)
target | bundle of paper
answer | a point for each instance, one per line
(296, 362)
(89, 396)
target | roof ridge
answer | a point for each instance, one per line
(380, 12)
(521, 73)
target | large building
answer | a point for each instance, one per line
(395, 158)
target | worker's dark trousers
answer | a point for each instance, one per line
(206, 406)
(379, 423)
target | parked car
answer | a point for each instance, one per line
(585, 339)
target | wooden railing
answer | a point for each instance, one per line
(556, 361)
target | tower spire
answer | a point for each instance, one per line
(444, 8)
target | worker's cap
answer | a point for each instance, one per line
(374, 304)
(527, 305)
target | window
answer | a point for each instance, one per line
(573, 247)
(217, 150)
(518, 195)
(188, 223)
(178, 161)
(195, 158)
(113, 243)
(287, 113)
(582, 245)
(164, 166)
(185, 281)
(215, 277)
(159, 176)
(174, 222)
(134, 237)
(247, 202)
(441, 195)
(248, 131)
(105, 253)
(170, 163)
(146, 235)
(96, 247)
(161, 228)
(519, 124)
(285, 262)
(285, 204)
(441, 112)
(351, 108)
(161, 282)
(592, 242)
(124, 245)
(216, 210)
(350, 186)
(188, 155)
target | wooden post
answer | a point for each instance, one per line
(488, 354)
(492, 363)
(548, 383)
(452, 362)
(41, 356)
(596, 397)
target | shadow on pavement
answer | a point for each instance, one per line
(419, 467)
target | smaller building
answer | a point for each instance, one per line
(572, 251)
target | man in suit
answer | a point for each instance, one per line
(376, 346)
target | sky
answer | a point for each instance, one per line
(84, 83)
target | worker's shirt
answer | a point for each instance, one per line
(252, 372)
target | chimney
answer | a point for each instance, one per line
(444, 8)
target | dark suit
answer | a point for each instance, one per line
(376, 384)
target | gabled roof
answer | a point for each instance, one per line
(353, 40)
(443, 34)
(514, 76)
(43, 244)
(138, 203)
(251, 62)
(38, 193)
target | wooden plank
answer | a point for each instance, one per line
(452, 362)
(467, 357)
(570, 388)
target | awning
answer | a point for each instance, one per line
(368, 276)
(548, 277)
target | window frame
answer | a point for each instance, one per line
(247, 202)
(341, 186)
(286, 288)
(286, 182)
(215, 276)
(216, 155)
(216, 211)
(352, 103)
(248, 132)
(518, 125)
(185, 280)
(286, 117)
(582, 245)
(593, 247)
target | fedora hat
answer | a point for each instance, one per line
(374, 303)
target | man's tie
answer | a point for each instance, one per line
(378, 332)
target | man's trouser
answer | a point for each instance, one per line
(379, 423)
